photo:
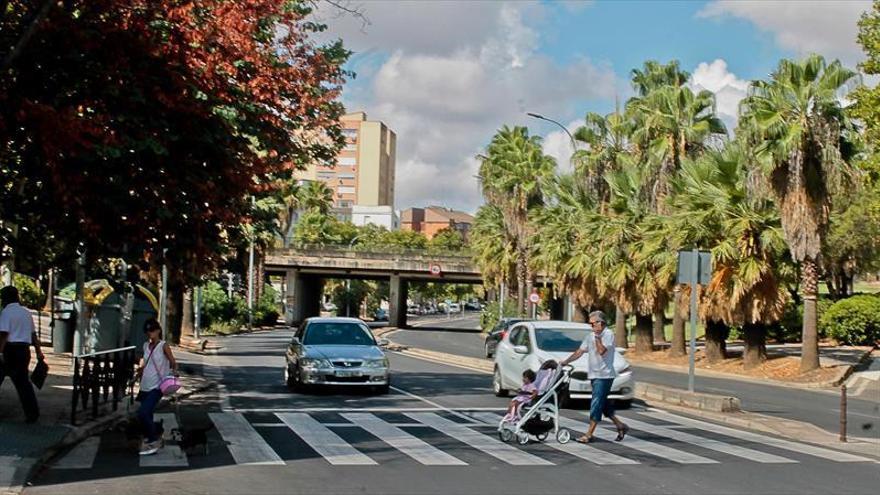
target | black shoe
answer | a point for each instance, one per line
(622, 433)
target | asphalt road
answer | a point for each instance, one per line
(431, 435)
(819, 407)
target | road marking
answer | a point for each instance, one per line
(80, 457)
(832, 455)
(323, 441)
(403, 441)
(170, 455)
(365, 409)
(244, 443)
(586, 452)
(447, 363)
(215, 373)
(479, 441)
(708, 443)
(432, 403)
(635, 443)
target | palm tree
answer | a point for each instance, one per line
(492, 246)
(512, 172)
(607, 149)
(797, 124)
(711, 209)
(315, 196)
(288, 194)
(655, 75)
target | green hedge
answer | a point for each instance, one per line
(853, 321)
(29, 292)
(220, 313)
(489, 316)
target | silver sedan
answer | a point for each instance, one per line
(336, 351)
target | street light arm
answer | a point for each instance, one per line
(541, 117)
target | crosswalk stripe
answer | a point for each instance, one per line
(586, 452)
(802, 448)
(708, 443)
(403, 441)
(80, 457)
(635, 443)
(479, 441)
(170, 455)
(244, 442)
(323, 441)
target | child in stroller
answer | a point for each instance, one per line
(527, 393)
(537, 413)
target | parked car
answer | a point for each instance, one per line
(528, 344)
(473, 305)
(490, 342)
(380, 315)
(336, 351)
(454, 308)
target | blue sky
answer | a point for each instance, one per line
(446, 74)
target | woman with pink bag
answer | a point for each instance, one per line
(158, 372)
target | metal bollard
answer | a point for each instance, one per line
(843, 413)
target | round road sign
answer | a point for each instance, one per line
(534, 298)
(435, 269)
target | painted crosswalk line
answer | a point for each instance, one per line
(582, 451)
(485, 443)
(708, 443)
(324, 441)
(245, 444)
(408, 444)
(80, 457)
(802, 448)
(644, 446)
(170, 455)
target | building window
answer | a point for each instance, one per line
(325, 176)
(347, 161)
(345, 190)
(345, 204)
(350, 134)
(346, 175)
(350, 147)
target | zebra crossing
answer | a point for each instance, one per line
(455, 438)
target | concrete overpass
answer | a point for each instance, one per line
(305, 268)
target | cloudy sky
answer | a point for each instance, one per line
(445, 75)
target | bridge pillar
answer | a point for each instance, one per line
(397, 302)
(303, 298)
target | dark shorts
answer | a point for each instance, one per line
(600, 404)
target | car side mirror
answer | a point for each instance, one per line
(294, 341)
(520, 349)
(383, 342)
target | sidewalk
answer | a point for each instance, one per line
(25, 447)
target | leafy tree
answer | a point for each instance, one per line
(447, 240)
(315, 196)
(512, 172)
(608, 148)
(492, 246)
(797, 124)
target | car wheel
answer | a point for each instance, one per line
(292, 380)
(623, 404)
(488, 351)
(497, 386)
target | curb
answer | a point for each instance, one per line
(80, 433)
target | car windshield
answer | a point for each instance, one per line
(337, 334)
(559, 339)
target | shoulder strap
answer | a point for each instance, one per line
(156, 366)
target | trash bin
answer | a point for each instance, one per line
(62, 334)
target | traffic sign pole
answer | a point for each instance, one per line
(695, 280)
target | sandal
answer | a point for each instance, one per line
(621, 433)
(584, 439)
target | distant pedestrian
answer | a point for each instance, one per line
(16, 336)
(157, 363)
(598, 345)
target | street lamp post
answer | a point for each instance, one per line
(348, 281)
(574, 149)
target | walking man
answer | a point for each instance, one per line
(598, 345)
(16, 336)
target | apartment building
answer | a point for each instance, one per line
(432, 219)
(364, 171)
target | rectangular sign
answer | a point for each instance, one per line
(686, 267)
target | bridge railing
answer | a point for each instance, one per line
(379, 252)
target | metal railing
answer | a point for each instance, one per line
(378, 251)
(102, 377)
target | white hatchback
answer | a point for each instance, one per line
(528, 344)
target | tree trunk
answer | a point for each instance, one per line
(755, 352)
(521, 296)
(659, 324)
(620, 338)
(810, 335)
(175, 309)
(260, 276)
(187, 327)
(50, 291)
(644, 334)
(678, 336)
(716, 341)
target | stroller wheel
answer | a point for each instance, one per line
(505, 435)
(522, 438)
(563, 435)
(541, 437)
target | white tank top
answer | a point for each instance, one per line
(156, 368)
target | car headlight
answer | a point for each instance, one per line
(315, 363)
(376, 363)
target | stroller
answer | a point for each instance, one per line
(541, 416)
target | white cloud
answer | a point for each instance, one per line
(445, 105)
(728, 88)
(558, 145)
(825, 27)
